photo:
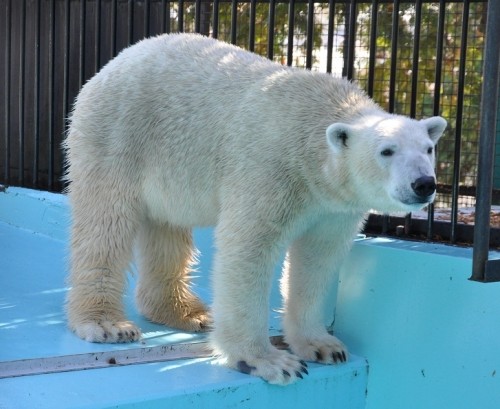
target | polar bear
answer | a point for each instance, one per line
(181, 131)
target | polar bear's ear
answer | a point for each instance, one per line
(435, 127)
(338, 135)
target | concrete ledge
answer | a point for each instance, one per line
(186, 384)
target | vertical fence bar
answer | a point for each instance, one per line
(439, 57)
(291, 30)
(36, 98)
(489, 105)
(147, 18)
(392, 80)
(414, 81)
(113, 28)
(215, 19)
(251, 34)
(437, 95)
(351, 40)
(415, 59)
(163, 16)
(51, 102)
(234, 20)
(310, 34)
(458, 125)
(180, 15)
(130, 20)
(97, 44)
(197, 16)
(81, 62)
(394, 56)
(329, 44)
(7, 59)
(22, 56)
(66, 102)
(205, 18)
(373, 47)
(270, 29)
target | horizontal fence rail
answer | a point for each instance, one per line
(418, 58)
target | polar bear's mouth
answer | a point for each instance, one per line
(407, 202)
(415, 202)
(418, 202)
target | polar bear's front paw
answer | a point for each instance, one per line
(108, 331)
(276, 366)
(325, 349)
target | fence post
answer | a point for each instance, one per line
(489, 101)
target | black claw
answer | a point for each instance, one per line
(344, 357)
(120, 335)
(286, 373)
(299, 375)
(304, 370)
(318, 356)
(334, 357)
(303, 363)
(244, 367)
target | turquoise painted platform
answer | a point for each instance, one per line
(33, 253)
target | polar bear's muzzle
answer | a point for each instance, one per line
(417, 195)
(424, 188)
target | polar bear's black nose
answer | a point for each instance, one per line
(424, 186)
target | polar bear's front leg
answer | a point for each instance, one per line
(310, 268)
(243, 269)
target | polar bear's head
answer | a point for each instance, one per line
(389, 160)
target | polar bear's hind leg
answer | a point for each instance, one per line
(166, 258)
(102, 234)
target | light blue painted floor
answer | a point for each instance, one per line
(33, 289)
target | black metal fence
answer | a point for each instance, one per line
(414, 57)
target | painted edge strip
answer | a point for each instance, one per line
(109, 359)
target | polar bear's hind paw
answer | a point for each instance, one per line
(108, 332)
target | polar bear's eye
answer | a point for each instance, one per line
(430, 150)
(387, 152)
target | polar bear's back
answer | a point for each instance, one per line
(170, 86)
(168, 70)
